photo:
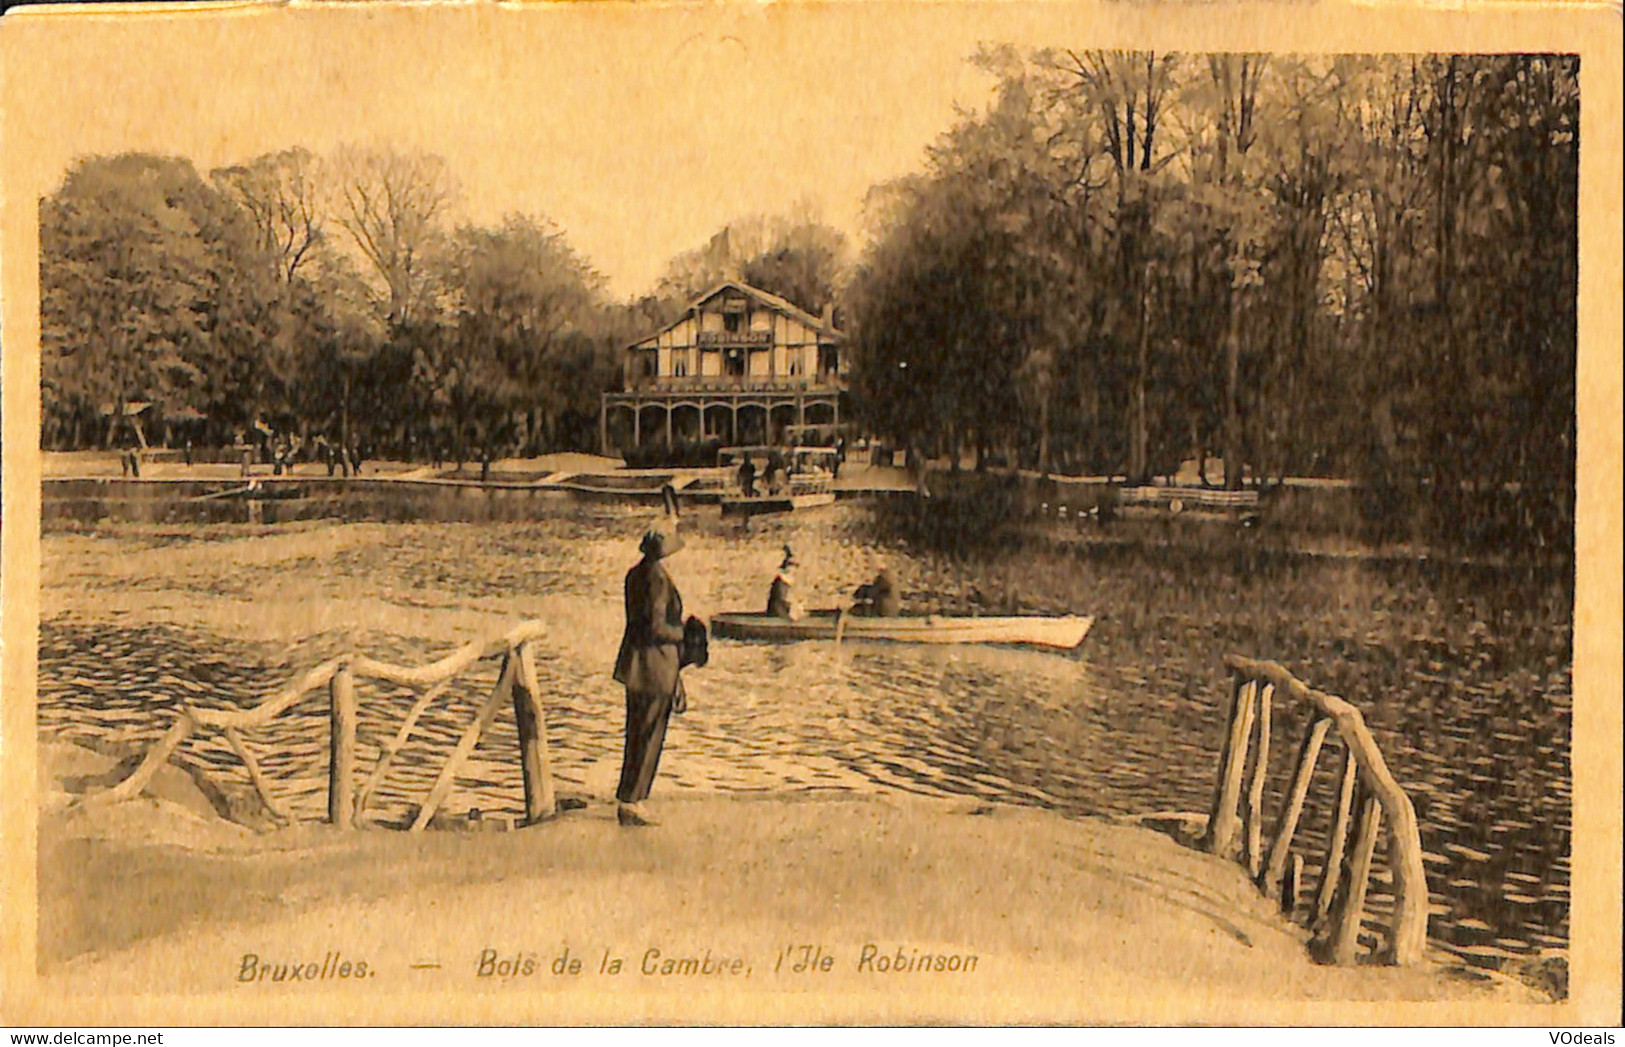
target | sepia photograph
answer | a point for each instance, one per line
(867, 513)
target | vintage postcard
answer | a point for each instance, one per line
(855, 513)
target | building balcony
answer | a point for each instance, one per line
(824, 383)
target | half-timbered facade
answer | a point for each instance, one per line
(739, 365)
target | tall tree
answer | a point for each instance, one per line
(393, 205)
(524, 304)
(135, 251)
(1110, 108)
(794, 255)
(281, 193)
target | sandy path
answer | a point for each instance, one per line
(1069, 920)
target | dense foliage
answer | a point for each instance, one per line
(294, 294)
(1353, 266)
(1359, 266)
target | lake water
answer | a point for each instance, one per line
(1469, 701)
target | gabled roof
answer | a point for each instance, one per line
(767, 298)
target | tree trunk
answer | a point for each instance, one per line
(1043, 434)
(1232, 405)
(344, 424)
(1139, 454)
(113, 420)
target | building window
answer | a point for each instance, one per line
(732, 323)
(733, 361)
(797, 356)
(829, 361)
(679, 363)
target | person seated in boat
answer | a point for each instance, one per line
(878, 599)
(782, 601)
(747, 477)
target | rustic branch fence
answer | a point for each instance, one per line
(346, 804)
(1366, 792)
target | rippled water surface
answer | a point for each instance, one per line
(1468, 700)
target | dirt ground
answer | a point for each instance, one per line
(1067, 919)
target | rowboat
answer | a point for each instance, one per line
(1043, 631)
(740, 505)
(804, 491)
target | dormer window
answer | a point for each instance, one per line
(733, 323)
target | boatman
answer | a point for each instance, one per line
(878, 599)
(649, 666)
(782, 601)
(747, 477)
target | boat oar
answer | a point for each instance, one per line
(840, 624)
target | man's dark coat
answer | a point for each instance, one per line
(648, 665)
(648, 659)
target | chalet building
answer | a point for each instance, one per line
(739, 365)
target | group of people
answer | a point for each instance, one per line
(775, 473)
(658, 643)
(876, 599)
(779, 467)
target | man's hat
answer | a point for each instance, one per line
(660, 541)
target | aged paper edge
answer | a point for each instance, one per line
(1591, 31)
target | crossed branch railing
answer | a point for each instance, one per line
(345, 803)
(1366, 792)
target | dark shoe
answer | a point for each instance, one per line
(631, 814)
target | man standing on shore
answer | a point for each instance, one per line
(649, 667)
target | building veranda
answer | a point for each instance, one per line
(740, 365)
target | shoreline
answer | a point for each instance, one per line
(80, 502)
(1067, 903)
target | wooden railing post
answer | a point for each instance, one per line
(1291, 885)
(1366, 791)
(341, 748)
(393, 747)
(1410, 920)
(1345, 930)
(465, 744)
(1308, 754)
(255, 775)
(1252, 812)
(1337, 841)
(534, 761)
(156, 757)
(1222, 822)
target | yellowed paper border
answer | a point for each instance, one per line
(32, 48)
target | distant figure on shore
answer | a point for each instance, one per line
(747, 477)
(840, 458)
(878, 599)
(649, 665)
(782, 601)
(774, 470)
(188, 453)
